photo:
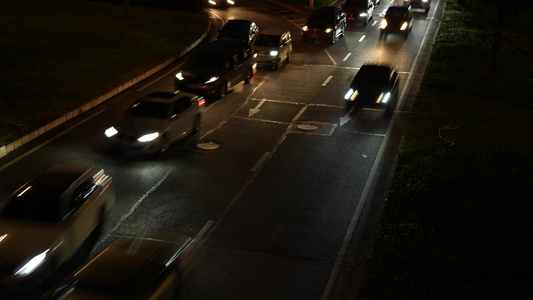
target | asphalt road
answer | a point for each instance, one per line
(285, 206)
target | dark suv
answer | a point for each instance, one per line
(215, 68)
(326, 22)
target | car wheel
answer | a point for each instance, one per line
(426, 10)
(288, 57)
(223, 90)
(333, 38)
(276, 64)
(196, 124)
(406, 34)
(163, 144)
(248, 76)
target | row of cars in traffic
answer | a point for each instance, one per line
(46, 221)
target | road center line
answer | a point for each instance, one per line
(330, 57)
(300, 113)
(347, 56)
(362, 38)
(327, 80)
(261, 161)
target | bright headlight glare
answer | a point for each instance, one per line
(31, 265)
(383, 24)
(274, 53)
(212, 79)
(348, 94)
(404, 25)
(386, 97)
(180, 76)
(111, 131)
(212, 2)
(148, 137)
(328, 30)
(230, 2)
(363, 14)
(305, 28)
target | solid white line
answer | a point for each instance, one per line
(300, 113)
(347, 56)
(201, 233)
(330, 57)
(362, 38)
(261, 161)
(327, 80)
(143, 197)
(369, 182)
(374, 24)
(50, 140)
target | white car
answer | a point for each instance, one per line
(157, 120)
(423, 4)
(47, 219)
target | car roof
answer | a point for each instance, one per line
(398, 8)
(166, 97)
(273, 31)
(223, 46)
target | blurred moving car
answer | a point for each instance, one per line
(374, 85)
(157, 120)
(128, 269)
(47, 219)
(220, 3)
(242, 30)
(325, 22)
(423, 4)
(273, 46)
(215, 68)
(398, 19)
(358, 11)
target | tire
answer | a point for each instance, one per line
(333, 38)
(196, 125)
(249, 76)
(426, 10)
(223, 90)
(288, 59)
(276, 65)
(164, 144)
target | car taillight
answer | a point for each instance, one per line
(201, 102)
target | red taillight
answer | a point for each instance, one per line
(201, 102)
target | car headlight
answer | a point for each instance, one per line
(328, 30)
(404, 26)
(32, 264)
(305, 28)
(180, 76)
(386, 97)
(363, 14)
(148, 137)
(212, 2)
(111, 131)
(383, 24)
(230, 2)
(212, 79)
(351, 94)
(425, 0)
(274, 53)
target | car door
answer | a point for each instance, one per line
(181, 118)
(340, 21)
(236, 71)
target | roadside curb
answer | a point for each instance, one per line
(6, 149)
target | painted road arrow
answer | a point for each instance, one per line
(255, 110)
(346, 116)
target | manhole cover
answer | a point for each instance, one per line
(307, 127)
(206, 145)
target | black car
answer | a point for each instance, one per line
(326, 22)
(215, 68)
(374, 85)
(243, 30)
(359, 11)
(398, 19)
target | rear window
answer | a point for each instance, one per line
(267, 40)
(149, 109)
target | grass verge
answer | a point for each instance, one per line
(60, 54)
(458, 217)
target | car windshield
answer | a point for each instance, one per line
(149, 109)
(267, 40)
(207, 60)
(235, 30)
(321, 19)
(41, 200)
(370, 75)
(356, 3)
(395, 13)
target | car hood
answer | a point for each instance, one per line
(23, 241)
(200, 74)
(133, 126)
(265, 48)
(369, 93)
